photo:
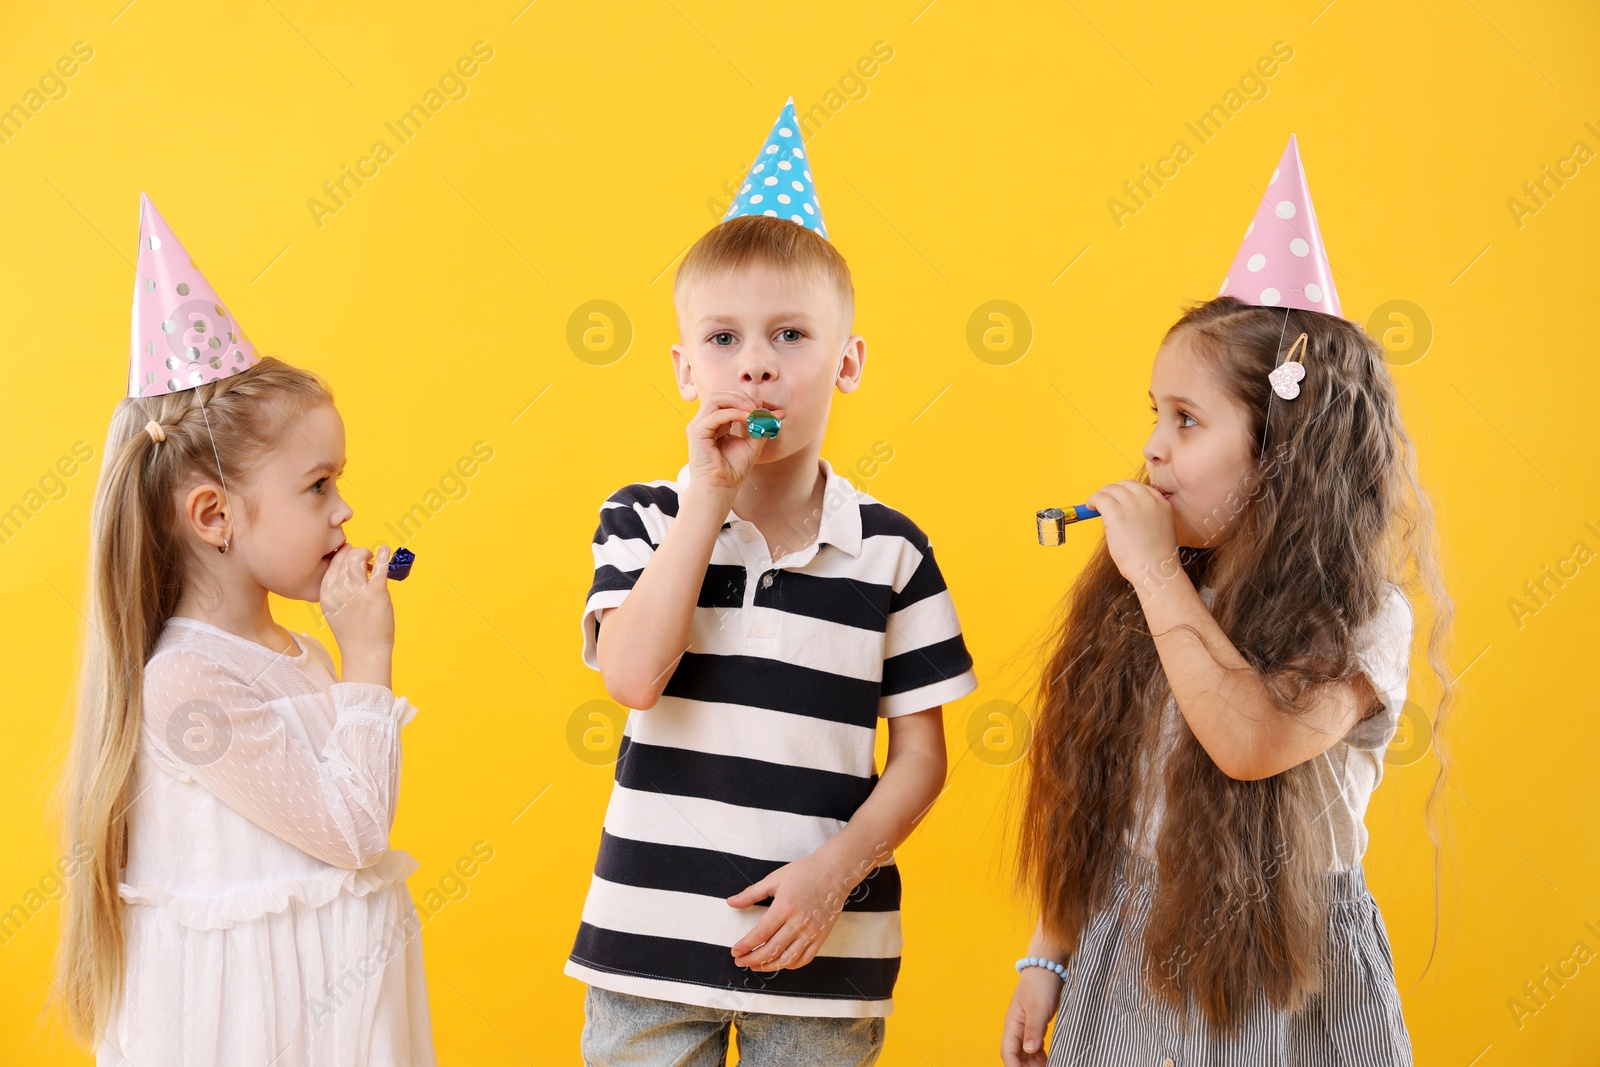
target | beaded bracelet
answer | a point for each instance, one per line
(1040, 961)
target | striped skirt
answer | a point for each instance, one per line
(1107, 1016)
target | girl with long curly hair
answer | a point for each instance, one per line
(1230, 668)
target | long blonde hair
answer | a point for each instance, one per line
(1312, 555)
(136, 580)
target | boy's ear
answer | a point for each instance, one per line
(683, 371)
(852, 362)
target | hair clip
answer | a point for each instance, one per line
(1288, 375)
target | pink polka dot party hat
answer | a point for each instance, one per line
(183, 334)
(1282, 261)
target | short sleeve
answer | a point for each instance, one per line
(925, 658)
(204, 722)
(1383, 651)
(633, 521)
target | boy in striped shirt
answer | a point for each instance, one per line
(759, 614)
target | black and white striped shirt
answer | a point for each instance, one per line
(761, 748)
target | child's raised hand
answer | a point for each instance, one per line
(356, 605)
(720, 451)
(1033, 1005)
(807, 897)
(1141, 534)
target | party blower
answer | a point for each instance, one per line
(762, 423)
(400, 564)
(1053, 522)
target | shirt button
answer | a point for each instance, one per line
(744, 535)
(766, 582)
(1167, 1062)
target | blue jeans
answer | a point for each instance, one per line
(621, 1030)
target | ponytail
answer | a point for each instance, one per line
(136, 581)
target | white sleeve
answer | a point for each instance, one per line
(926, 663)
(206, 723)
(1383, 649)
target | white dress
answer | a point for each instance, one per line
(268, 921)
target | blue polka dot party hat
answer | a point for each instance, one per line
(779, 183)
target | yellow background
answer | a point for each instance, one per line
(974, 165)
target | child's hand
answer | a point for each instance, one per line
(357, 607)
(1140, 532)
(807, 897)
(1033, 1005)
(720, 452)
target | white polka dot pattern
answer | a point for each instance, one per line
(183, 335)
(1282, 262)
(779, 184)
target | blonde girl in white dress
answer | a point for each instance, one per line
(241, 904)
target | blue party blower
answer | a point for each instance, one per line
(400, 564)
(1053, 522)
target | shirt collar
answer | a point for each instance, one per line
(841, 510)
